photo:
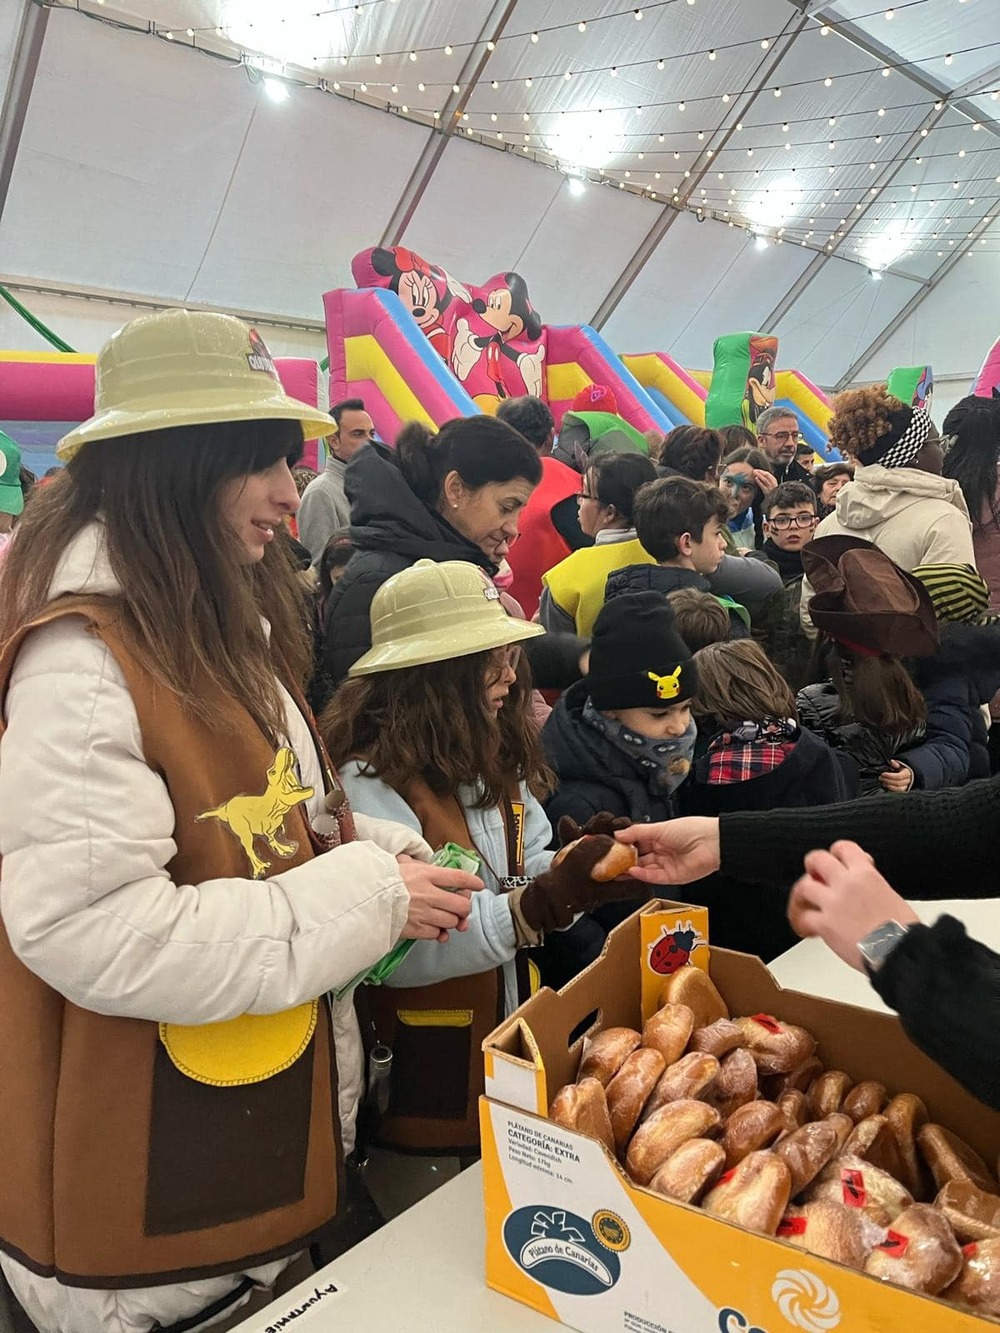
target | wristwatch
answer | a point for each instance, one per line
(878, 944)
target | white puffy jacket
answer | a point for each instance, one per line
(86, 834)
(915, 517)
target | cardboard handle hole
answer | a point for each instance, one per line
(594, 1020)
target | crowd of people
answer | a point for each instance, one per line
(252, 716)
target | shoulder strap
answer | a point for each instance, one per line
(512, 812)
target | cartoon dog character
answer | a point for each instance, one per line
(759, 393)
(248, 817)
(423, 288)
(508, 312)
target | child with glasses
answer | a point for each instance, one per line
(789, 523)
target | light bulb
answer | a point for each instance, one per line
(827, 82)
(534, 36)
(276, 90)
(448, 50)
(764, 44)
(711, 55)
(581, 26)
(413, 55)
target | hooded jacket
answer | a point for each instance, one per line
(391, 529)
(915, 517)
(90, 908)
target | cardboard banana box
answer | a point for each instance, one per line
(569, 1235)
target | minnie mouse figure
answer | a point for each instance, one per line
(508, 312)
(423, 289)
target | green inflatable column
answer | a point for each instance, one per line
(742, 379)
(913, 385)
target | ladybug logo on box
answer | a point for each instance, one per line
(560, 1250)
(672, 950)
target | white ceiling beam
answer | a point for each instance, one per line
(914, 302)
(885, 55)
(971, 87)
(671, 212)
(451, 115)
(20, 81)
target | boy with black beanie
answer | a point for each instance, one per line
(622, 739)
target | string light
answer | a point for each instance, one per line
(534, 36)
(449, 50)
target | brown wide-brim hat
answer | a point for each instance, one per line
(865, 601)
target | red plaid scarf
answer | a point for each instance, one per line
(750, 749)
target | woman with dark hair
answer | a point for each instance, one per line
(828, 481)
(433, 730)
(692, 451)
(182, 881)
(747, 477)
(456, 495)
(573, 590)
(973, 427)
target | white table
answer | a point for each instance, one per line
(811, 967)
(422, 1272)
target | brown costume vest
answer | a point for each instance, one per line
(136, 1153)
(436, 1032)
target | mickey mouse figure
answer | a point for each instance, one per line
(415, 282)
(507, 310)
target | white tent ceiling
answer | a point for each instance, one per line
(152, 163)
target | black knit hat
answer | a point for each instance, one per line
(637, 658)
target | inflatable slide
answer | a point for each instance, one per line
(43, 395)
(416, 343)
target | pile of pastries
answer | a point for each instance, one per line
(738, 1116)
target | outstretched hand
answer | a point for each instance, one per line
(677, 852)
(842, 898)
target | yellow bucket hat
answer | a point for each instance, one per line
(187, 368)
(433, 612)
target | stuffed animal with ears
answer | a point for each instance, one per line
(509, 314)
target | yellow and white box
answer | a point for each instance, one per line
(569, 1235)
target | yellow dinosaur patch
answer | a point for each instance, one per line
(250, 817)
(667, 687)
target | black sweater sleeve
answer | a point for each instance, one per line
(928, 844)
(946, 990)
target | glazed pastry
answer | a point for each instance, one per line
(628, 1090)
(865, 1099)
(906, 1114)
(754, 1194)
(777, 1048)
(689, 1171)
(807, 1151)
(793, 1103)
(874, 1140)
(718, 1038)
(583, 1106)
(606, 1052)
(843, 1125)
(949, 1158)
(973, 1214)
(977, 1287)
(799, 1079)
(920, 1251)
(829, 1230)
(668, 1031)
(751, 1127)
(827, 1092)
(695, 988)
(857, 1184)
(687, 1077)
(663, 1133)
(618, 861)
(735, 1083)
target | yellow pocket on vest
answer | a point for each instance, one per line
(248, 1049)
(435, 1018)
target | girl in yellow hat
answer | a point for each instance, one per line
(182, 880)
(433, 731)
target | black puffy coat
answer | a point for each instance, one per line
(391, 529)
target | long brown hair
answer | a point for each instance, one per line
(737, 680)
(190, 607)
(431, 722)
(878, 691)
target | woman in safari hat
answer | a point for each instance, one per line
(182, 879)
(432, 730)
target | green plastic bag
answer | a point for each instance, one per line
(451, 857)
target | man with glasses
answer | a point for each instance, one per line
(789, 523)
(778, 435)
